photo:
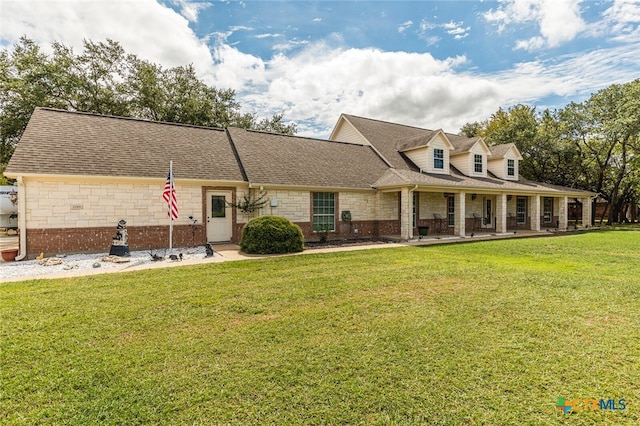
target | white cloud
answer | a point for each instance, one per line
(455, 29)
(558, 21)
(621, 21)
(268, 35)
(321, 80)
(189, 9)
(143, 27)
(314, 86)
(405, 26)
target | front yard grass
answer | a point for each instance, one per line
(480, 333)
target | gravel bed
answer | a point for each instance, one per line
(79, 262)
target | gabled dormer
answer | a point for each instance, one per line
(470, 156)
(430, 151)
(504, 161)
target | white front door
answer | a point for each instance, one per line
(219, 218)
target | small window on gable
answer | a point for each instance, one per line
(438, 158)
(477, 163)
(511, 168)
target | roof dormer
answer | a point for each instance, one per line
(504, 161)
(430, 152)
(470, 156)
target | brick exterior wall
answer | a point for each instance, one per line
(94, 240)
(366, 229)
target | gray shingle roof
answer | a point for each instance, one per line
(392, 138)
(389, 138)
(71, 143)
(290, 160)
(461, 144)
(498, 151)
(393, 178)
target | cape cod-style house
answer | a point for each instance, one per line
(78, 174)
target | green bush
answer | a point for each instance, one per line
(271, 235)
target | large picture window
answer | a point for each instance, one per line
(438, 158)
(324, 211)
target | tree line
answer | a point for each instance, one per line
(104, 79)
(592, 145)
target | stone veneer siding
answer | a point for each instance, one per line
(58, 204)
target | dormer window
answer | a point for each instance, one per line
(438, 158)
(511, 168)
(477, 163)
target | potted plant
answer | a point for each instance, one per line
(9, 255)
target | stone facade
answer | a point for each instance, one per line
(59, 204)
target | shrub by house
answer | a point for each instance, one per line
(271, 235)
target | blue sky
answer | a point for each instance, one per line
(433, 64)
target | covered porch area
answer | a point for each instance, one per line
(439, 213)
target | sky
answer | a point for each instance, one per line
(430, 64)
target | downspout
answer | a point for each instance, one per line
(22, 218)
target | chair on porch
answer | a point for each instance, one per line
(513, 216)
(477, 224)
(438, 223)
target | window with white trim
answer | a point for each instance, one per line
(511, 168)
(324, 211)
(451, 211)
(416, 200)
(521, 210)
(547, 210)
(438, 158)
(477, 163)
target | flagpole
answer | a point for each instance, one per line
(169, 205)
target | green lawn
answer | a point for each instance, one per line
(480, 333)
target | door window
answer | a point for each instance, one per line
(218, 206)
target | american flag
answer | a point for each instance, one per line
(169, 196)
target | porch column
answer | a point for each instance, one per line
(501, 213)
(460, 209)
(535, 213)
(586, 212)
(406, 207)
(563, 213)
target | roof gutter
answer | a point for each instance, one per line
(22, 218)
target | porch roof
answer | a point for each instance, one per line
(456, 181)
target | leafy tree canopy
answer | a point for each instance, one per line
(593, 145)
(104, 79)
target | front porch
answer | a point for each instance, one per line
(428, 214)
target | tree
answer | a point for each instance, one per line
(606, 131)
(104, 79)
(546, 156)
(593, 145)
